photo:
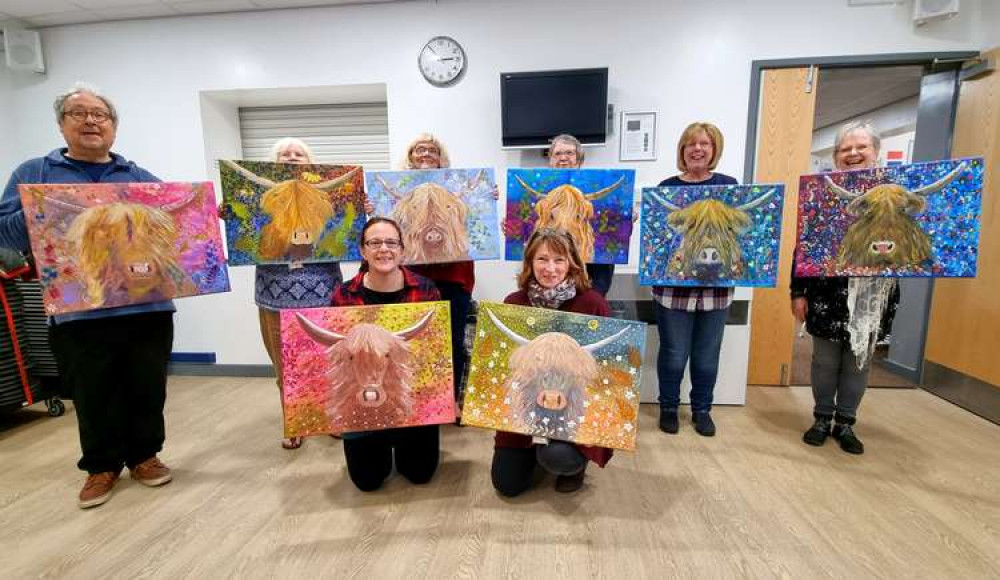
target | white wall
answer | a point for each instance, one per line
(687, 60)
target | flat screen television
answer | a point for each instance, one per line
(537, 106)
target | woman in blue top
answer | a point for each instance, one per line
(294, 285)
(691, 320)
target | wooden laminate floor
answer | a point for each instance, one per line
(924, 501)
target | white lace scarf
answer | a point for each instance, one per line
(866, 302)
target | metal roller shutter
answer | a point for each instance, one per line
(354, 133)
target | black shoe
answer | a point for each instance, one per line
(570, 483)
(817, 434)
(668, 421)
(703, 424)
(848, 441)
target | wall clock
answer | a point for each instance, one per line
(441, 61)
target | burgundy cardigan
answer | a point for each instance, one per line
(588, 302)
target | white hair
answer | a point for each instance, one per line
(852, 126)
(286, 142)
(82, 88)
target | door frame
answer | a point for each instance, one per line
(935, 61)
(947, 59)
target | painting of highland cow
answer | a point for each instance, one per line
(593, 205)
(101, 245)
(279, 213)
(918, 220)
(447, 215)
(366, 368)
(713, 235)
(555, 374)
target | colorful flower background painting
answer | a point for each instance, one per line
(593, 205)
(366, 368)
(283, 212)
(918, 220)
(713, 235)
(102, 245)
(447, 215)
(555, 374)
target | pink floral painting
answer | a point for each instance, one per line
(100, 245)
(366, 368)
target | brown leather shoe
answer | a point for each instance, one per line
(97, 489)
(151, 472)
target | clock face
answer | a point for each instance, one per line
(441, 61)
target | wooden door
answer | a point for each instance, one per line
(784, 143)
(964, 328)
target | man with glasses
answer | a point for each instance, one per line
(113, 360)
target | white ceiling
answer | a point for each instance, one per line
(42, 13)
(845, 93)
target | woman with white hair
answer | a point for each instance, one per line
(294, 285)
(839, 370)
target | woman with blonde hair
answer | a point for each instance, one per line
(454, 280)
(295, 285)
(692, 320)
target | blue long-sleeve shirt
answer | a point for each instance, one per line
(57, 168)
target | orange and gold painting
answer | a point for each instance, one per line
(555, 374)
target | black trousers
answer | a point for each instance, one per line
(369, 456)
(116, 369)
(459, 301)
(513, 469)
(601, 276)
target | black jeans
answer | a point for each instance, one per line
(459, 300)
(369, 456)
(514, 467)
(116, 369)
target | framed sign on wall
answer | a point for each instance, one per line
(637, 141)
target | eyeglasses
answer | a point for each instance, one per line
(376, 244)
(80, 115)
(424, 150)
(564, 154)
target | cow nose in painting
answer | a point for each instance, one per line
(433, 237)
(551, 400)
(883, 247)
(140, 269)
(301, 238)
(709, 257)
(371, 396)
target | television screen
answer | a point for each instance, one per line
(537, 106)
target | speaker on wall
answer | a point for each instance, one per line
(23, 50)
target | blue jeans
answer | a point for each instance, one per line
(683, 335)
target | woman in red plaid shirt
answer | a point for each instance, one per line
(382, 280)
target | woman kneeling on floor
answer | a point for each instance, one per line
(552, 276)
(382, 280)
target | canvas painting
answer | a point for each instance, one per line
(713, 235)
(279, 213)
(593, 205)
(447, 215)
(555, 374)
(366, 368)
(100, 245)
(917, 220)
